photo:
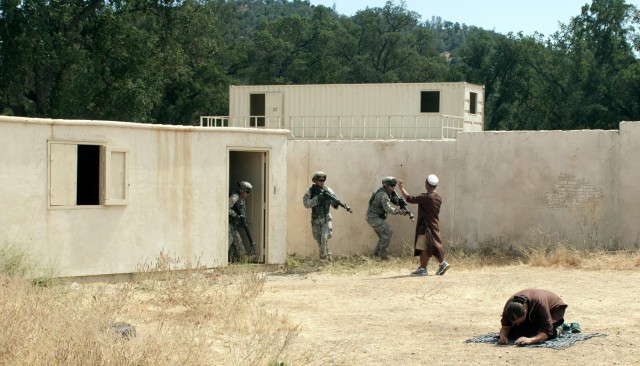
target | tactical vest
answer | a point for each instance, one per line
(321, 210)
(375, 207)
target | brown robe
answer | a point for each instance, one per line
(545, 309)
(428, 223)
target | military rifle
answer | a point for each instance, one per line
(403, 204)
(246, 231)
(335, 200)
(243, 221)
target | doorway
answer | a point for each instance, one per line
(256, 110)
(265, 110)
(252, 166)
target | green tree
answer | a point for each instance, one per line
(39, 51)
(604, 69)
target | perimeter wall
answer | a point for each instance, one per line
(499, 188)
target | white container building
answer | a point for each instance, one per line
(357, 111)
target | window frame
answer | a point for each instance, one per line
(426, 102)
(62, 174)
(473, 103)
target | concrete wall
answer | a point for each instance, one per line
(178, 195)
(498, 187)
(628, 215)
(354, 171)
(510, 184)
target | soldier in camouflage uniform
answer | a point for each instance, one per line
(379, 207)
(237, 213)
(320, 217)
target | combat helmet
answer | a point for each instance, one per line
(318, 175)
(389, 180)
(244, 186)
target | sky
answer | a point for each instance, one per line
(501, 16)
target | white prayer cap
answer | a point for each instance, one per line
(432, 180)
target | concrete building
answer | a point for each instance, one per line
(95, 197)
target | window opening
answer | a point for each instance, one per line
(473, 103)
(88, 183)
(430, 102)
(87, 174)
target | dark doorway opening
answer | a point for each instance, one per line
(253, 167)
(257, 110)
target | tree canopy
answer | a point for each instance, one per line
(171, 61)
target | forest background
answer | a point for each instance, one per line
(171, 61)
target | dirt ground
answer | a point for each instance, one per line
(391, 318)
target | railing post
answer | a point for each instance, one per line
(351, 126)
(377, 127)
(326, 127)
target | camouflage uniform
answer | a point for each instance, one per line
(320, 217)
(379, 207)
(237, 209)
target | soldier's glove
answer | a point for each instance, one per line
(243, 219)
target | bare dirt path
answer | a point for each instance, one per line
(391, 318)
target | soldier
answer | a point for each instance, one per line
(237, 217)
(379, 207)
(319, 203)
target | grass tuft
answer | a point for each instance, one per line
(14, 261)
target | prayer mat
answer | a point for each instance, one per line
(563, 341)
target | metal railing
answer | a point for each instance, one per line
(214, 121)
(433, 127)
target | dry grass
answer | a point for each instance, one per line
(183, 316)
(556, 256)
(186, 314)
(541, 249)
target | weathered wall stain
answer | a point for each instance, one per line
(570, 192)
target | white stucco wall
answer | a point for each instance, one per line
(178, 195)
(354, 171)
(628, 214)
(512, 184)
(498, 187)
